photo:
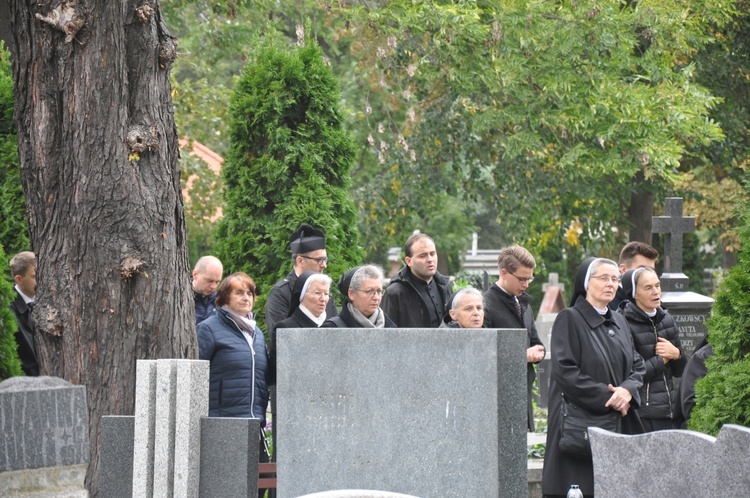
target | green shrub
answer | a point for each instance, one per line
(14, 233)
(723, 395)
(10, 364)
(288, 164)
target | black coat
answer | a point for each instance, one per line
(26, 336)
(658, 394)
(580, 372)
(694, 370)
(403, 304)
(500, 313)
(346, 320)
(298, 320)
(280, 299)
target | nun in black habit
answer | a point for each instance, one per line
(580, 371)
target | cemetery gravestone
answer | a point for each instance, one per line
(671, 463)
(170, 447)
(689, 309)
(45, 437)
(552, 302)
(425, 412)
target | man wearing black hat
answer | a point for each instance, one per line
(309, 254)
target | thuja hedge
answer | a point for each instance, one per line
(288, 164)
(723, 395)
(13, 229)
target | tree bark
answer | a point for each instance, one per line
(641, 210)
(99, 166)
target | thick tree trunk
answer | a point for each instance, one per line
(641, 211)
(99, 165)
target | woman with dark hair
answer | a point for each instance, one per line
(657, 340)
(362, 288)
(590, 344)
(236, 348)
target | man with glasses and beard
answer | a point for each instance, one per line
(507, 307)
(308, 247)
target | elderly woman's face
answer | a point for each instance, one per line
(367, 298)
(603, 285)
(241, 300)
(470, 312)
(648, 291)
(316, 298)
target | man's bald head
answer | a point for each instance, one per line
(207, 274)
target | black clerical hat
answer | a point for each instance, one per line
(307, 239)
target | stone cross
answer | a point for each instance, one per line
(673, 225)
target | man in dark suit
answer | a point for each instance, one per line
(308, 247)
(23, 271)
(507, 307)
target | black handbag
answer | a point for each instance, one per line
(574, 435)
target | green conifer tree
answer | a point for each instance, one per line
(723, 395)
(10, 364)
(13, 229)
(14, 233)
(288, 164)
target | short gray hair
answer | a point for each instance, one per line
(367, 272)
(320, 278)
(460, 295)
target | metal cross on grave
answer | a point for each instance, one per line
(673, 225)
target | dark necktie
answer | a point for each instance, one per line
(518, 308)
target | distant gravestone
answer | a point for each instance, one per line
(552, 302)
(423, 412)
(44, 446)
(689, 309)
(672, 463)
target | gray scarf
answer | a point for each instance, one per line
(244, 323)
(376, 321)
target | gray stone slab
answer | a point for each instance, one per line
(116, 456)
(229, 457)
(191, 404)
(58, 482)
(733, 461)
(145, 423)
(356, 493)
(690, 312)
(43, 423)
(164, 428)
(424, 412)
(672, 463)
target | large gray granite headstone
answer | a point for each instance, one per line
(424, 412)
(116, 456)
(690, 311)
(171, 397)
(229, 457)
(44, 422)
(671, 463)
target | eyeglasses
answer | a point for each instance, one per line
(606, 280)
(320, 261)
(371, 292)
(522, 280)
(318, 294)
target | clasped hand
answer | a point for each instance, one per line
(620, 399)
